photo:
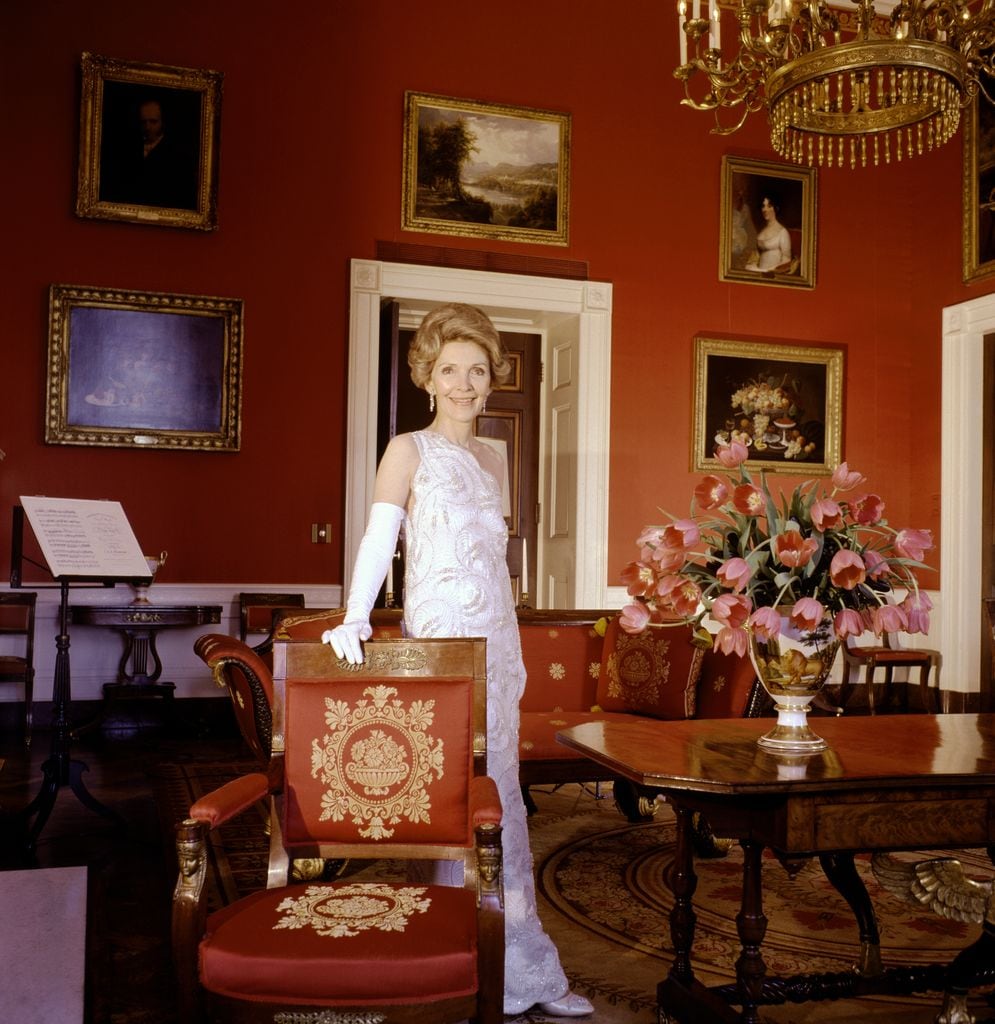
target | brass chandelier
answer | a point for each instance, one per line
(840, 86)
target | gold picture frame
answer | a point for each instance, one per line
(754, 249)
(978, 191)
(787, 399)
(149, 143)
(515, 187)
(129, 369)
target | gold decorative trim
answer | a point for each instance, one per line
(978, 209)
(329, 1017)
(412, 659)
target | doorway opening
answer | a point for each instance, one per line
(574, 320)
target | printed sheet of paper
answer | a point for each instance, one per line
(80, 537)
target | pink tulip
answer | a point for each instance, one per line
(748, 500)
(847, 569)
(731, 641)
(731, 609)
(766, 623)
(826, 514)
(649, 540)
(794, 550)
(711, 493)
(848, 623)
(876, 565)
(639, 579)
(634, 617)
(913, 543)
(866, 509)
(889, 618)
(735, 574)
(667, 559)
(917, 608)
(807, 613)
(682, 594)
(682, 533)
(844, 479)
(732, 455)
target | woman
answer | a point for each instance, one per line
(773, 240)
(445, 485)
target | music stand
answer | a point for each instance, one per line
(78, 539)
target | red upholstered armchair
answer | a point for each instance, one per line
(376, 762)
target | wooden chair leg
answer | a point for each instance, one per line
(29, 695)
(887, 695)
(869, 686)
(925, 694)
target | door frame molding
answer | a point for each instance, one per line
(534, 303)
(961, 500)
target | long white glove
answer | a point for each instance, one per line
(376, 551)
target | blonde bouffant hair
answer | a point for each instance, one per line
(455, 322)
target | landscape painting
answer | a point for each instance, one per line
(485, 170)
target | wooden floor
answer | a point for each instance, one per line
(128, 975)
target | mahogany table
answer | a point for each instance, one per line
(904, 782)
(139, 624)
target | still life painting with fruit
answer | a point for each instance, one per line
(781, 402)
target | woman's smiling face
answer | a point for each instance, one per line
(461, 379)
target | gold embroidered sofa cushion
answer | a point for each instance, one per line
(653, 673)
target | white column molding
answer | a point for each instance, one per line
(962, 471)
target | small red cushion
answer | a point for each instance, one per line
(654, 673)
(244, 956)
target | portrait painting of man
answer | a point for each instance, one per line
(149, 138)
(149, 153)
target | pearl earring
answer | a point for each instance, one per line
(483, 406)
(431, 402)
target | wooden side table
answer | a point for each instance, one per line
(140, 667)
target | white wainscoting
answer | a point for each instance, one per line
(94, 653)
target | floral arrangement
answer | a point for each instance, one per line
(743, 558)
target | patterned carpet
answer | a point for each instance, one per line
(605, 903)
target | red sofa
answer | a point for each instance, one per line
(582, 668)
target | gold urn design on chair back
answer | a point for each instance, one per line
(378, 761)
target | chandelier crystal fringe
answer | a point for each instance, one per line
(840, 87)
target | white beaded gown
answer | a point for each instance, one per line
(456, 584)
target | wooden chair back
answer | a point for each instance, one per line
(17, 620)
(377, 758)
(257, 612)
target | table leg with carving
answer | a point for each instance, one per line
(752, 926)
(680, 996)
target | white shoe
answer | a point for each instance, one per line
(570, 1005)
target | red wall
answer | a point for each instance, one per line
(310, 176)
